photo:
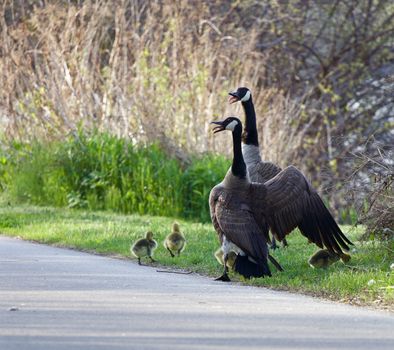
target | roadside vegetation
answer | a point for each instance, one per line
(99, 171)
(365, 280)
(153, 74)
(105, 111)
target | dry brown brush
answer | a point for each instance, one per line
(371, 188)
(146, 70)
(160, 70)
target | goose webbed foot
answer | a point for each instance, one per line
(223, 278)
(284, 243)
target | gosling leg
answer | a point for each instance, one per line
(172, 255)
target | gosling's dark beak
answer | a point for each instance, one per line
(218, 128)
(233, 97)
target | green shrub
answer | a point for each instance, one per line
(100, 171)
(198, 179)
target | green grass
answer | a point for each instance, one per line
(112, 234)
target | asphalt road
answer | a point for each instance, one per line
(53, 298)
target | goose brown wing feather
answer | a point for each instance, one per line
(263, 171)
(233, 218)
(213, 199)
(241, 229)
(289, 201)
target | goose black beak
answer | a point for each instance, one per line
(233, 97)
(220, 127)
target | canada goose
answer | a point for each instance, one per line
(231, 256)
(144, 247)
(242, 212)
(175, 242)
(323, 258)
(231, 208)
(259, 170)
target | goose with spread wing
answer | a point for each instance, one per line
(242, 212)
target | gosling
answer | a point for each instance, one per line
(144, 247)
(175, 242)
(230, 258)
(324, 258)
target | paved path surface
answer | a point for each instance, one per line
(71, 300)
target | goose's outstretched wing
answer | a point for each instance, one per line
(288, 201)
(263, 171)
(234, 219)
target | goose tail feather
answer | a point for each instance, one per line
(249, 269)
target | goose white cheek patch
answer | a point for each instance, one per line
(232, 125)
(246, 97)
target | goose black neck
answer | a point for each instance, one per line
(238, 167)
(250, 136)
